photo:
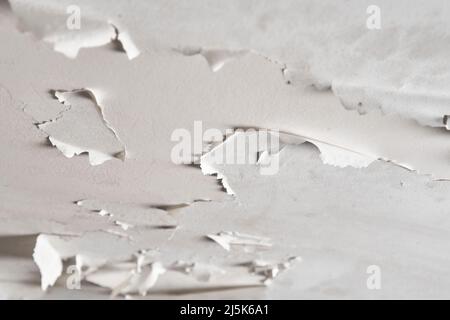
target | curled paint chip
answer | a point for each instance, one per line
(262, 147)
(104, 213)
(69, 29)
(95, 157)
(126, 42)
(140, 272)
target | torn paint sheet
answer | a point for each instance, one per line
(123, 278)
(242, 148)
(82, 128)
(227, 239)
(323, 122)
(178, 278)
(67, 28)
(307, 62)
(52, 251)
(125, 226)
(48, 260)
(126, 42)
(262, 148)
(95, 157)
(400, 63)
(340, 157)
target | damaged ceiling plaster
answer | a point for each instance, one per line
(97, 96)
